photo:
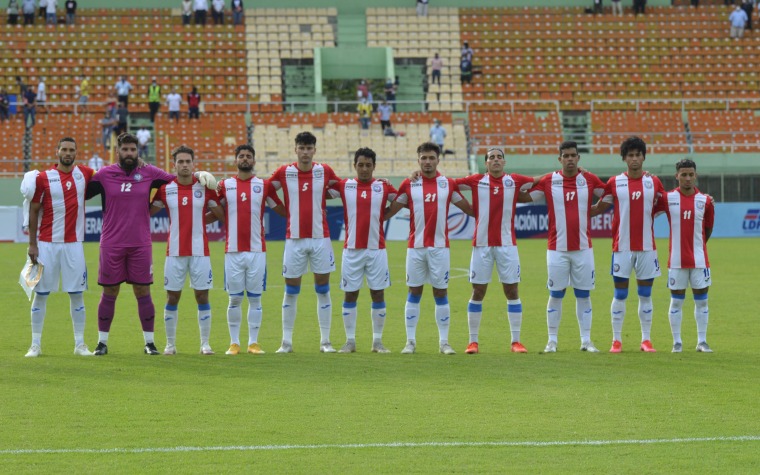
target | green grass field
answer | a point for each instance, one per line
(307, 412)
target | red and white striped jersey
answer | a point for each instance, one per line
(428, 201)
(62, 197)
(363, 209)
(244, 202)
(494, 201)
(305, 194)
(689, 217)
(186, 206)
(633, 220)
(569, 200)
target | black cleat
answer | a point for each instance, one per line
(150, 349)
(101, 349)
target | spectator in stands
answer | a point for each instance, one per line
(187, 11)
(122, 117)
(639, 6)
(122, 89)
(42, 94)
(27, 8)
(42, 8)
(71, 12)
(200, 7)
(52, 7)
(465, 70)
(617, 7)
(143, 138)
(96, 163)
(748, 6)
(5, 104)
(30, 107)
(108, 124)
(362, 89)
(194, 104)
(13, 10)
(84, 94)
(21, 87)
(738, 19)
(237, 11)
(154, 99)
(422, 7)
(173, 101)
(467, 52)
(437, 134)
(598, 7)
(365, 113)
(385, 110)
(217, 11)
(436, 65)
(390, 92)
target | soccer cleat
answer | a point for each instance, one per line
(349, 347)
(101, 349)
(170, 350)
(377, 347)
(551, 347)
(255, 349)
(703, 347)
(589, 346)
(410, 348)
(286, 347)
(34, 351)
(518, 347)
(206, 349)
(150, 349)
(446, 349)
(617, 346)
(82, 350)
(646, 346)
(326, 347)
(234, 349)
(677, 348)
(472, 348)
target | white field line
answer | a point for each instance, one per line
(390, 445)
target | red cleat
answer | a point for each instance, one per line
(646, 346)
(518, 347)
(617, 346)
(472, 348)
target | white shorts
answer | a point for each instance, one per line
(680, 279)
(64, 259)
(570, 269)
(506, 259)
(428, 265)
(317, 253)
(358, 263)
(176, 269)
(245, 271)
(644, 263)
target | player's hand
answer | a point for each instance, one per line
(384, 180)
(206, 179)
(141, 163)
(33, 253)
(415, 174)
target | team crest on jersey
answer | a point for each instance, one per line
(648, 185)
(137, 177)
(581, 182)
(700, 205)
(197, 193)
(318, 173)
(78, 176)
(377, 188)
(257, 188)
(509, 182)
(442, 184)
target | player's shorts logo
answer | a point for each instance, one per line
(377, 188)
(197, 193)
(166, 280)
(345, 283)
(509, 182)
(648, 185)
(616, 267)
(284, 268)
(581, 182)
(551, 283)
(256, 188)
(137, 177)
(472, 275)
(442, 184)
(700, 205)
(672, 281)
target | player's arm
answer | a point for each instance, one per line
(602, 190)
(215, 213)
(34, 215)
(462, 204)
(600, 207)
(709, 219)
(155, 209)
(94, 188)
(391, 210)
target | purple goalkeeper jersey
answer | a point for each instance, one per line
(126, 203)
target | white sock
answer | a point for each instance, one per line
(349, 319)
(170, 323)
(553, 317)
(204, 322)
(675, 314)
(378, 320)
(255, 314)
(289, 306)
(443, 318)
(103, 337)
(584, 314)
(324, 315)
(618, 316)
(514, 312)
(645, 317)
(474, 315)
(78, 316)
(148, 336)
(412, 315)
(235, 317)
(39, 309)
(701, 315)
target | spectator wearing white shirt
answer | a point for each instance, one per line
(173, 101)
(96, 163)
(42, 94)
(50, 8)
(187, 11)
(42, 8)
(143, 137)
(122, 90)
(237, 11)
(200, 7)
(217, 11)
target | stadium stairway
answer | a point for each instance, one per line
(576, 126)
(352, 30)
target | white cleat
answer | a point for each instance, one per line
(410, 348)
(286, 347)
(588, 346)
(326, 347)
(349, 347)
(34, 351)
(446, 349)
(82, 350)
(551, 347)
(206, 349)
(377, 347)
(170, 350)
(703, 347)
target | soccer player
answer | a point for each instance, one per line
(570, 257)
(57, 206)
(126, 251)
(427, 256)
(307, 239)
(186, 201)
(634, 195)
(243, 198)
(364, 201)
(691, 214)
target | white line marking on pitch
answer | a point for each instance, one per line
(252, 448)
